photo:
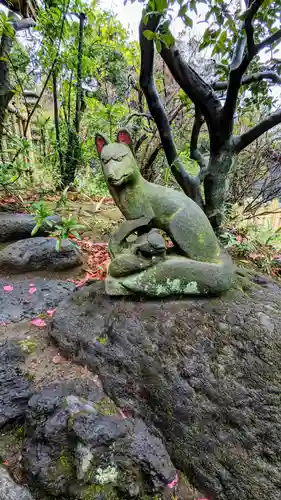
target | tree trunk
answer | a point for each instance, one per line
(6, 92)
(73, 158)
(82, 19)
(56, 120)
(216, 185)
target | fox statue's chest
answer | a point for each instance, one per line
(132, 202)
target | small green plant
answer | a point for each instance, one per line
(40, 212)
(67, 228)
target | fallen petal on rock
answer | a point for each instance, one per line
(32, 290)
(174, 483)
(59, 360)
(8, 288)
(51, 312)
(38, 322)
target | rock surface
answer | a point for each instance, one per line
(15, 390)
(206, 373)
(17, 226)
(9, 490)
(25, 299)
(36, 254)
(79, 446)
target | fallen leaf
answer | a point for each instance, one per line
(8, 288)
(51, 312)
(32, 290)
(38, 322)
(59, 360)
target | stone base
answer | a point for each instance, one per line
(206, 373)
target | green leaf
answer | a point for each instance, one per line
(14, 178)
(145, 19)
(58, 244)
(183, 10)
(161, 5)
(35, 229)
(149, 35)
(158, 45)
(188, 21)
(77, 235)
(168, 39)
(167, 175)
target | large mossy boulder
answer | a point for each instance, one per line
(206, 373)
(79, 446)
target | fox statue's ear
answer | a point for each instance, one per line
(100, 141)
(124, 136)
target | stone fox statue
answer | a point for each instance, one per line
(149, 205)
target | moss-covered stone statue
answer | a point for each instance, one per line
(194, 265)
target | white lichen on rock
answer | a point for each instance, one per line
(107, 475)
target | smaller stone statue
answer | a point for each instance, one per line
(145, 266)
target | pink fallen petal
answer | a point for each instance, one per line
(59, 360)
(174, 483)
(38, 322)
(122, 414)
(31, 284)
(2, 323)
(32, 290)
(8, 288)
(51, 312)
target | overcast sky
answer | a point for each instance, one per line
(130, 16)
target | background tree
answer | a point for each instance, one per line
(237, 37)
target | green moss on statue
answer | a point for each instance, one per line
(197, 265)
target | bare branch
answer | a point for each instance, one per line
(199, 91)
(270, 40)
(251, 135)
(137, 115)
(188, 183)
(238, 70)
(255, 77)
(238, 53)
(195, 154)
(24, 24)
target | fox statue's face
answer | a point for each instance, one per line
(118, 162)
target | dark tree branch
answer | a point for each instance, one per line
(270, 40)
(238, 70)
(200, 92)
(24, 24)
(56, 120)
(251, 135)
(138, 115)
(79, 92)
(195, 154)
(238, 52)
(187, 183)
(255, 77)
(139, 142)
(51, 68)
